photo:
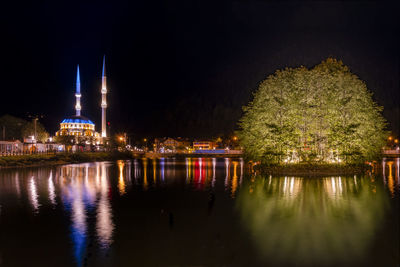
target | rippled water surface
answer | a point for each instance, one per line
(196, 212)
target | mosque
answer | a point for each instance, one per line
(80, 126)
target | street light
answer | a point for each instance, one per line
(34, 120)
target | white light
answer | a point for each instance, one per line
(104, 225)
(34, 195)
(52, 194)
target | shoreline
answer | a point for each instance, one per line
(302, 169)
(41, 160)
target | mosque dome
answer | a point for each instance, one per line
(77, 125)
(77, 119)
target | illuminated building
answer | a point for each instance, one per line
(10, 147)
(79, 126)
(199, 145)
(171, 145)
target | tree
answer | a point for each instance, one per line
(39, 132)
(325, 114)
(11, 127)
(67, 140)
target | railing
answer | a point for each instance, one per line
(218, 151)
(21, 153)
(391, 151)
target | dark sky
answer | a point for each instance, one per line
(184, 68)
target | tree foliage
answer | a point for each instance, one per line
(11, 127)
(321, 114)
(17, 129)
(29, 130)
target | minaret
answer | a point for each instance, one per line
(78, 94)
(103, 100)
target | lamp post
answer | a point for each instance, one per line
(35, 118)
(235, 138)
(34, 122)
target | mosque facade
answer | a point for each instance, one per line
(80, 126)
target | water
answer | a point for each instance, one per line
(195, 212)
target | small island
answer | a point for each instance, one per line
(319, 121)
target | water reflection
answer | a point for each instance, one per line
(226, 173)
(291, 220)
(162, 166)
(33, 194)
(145, 183)
(52, 193)
(121, 182)
(85, 187)
(78, 227)
(201, 173)
(390, 166)
(17, 185)
(214, 162)
(315, 221)
(105, 225)
(234, 179)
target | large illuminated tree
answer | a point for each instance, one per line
(324, 114)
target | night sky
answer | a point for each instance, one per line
(184, 68)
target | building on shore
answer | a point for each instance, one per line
(171, 145)
(200, 145)
(11, 147)
(81, 127)
(29, 146)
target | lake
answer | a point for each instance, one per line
(196, 212)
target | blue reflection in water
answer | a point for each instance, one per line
(81, 187)
(72, 196)
(162, 164)
(78, 227)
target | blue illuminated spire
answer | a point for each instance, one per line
(78, 94)
(104, 66)
(78, 82)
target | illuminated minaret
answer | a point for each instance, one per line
(103, 100)
(78, 94)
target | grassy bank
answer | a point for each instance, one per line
(61, 158)
(312, 169)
